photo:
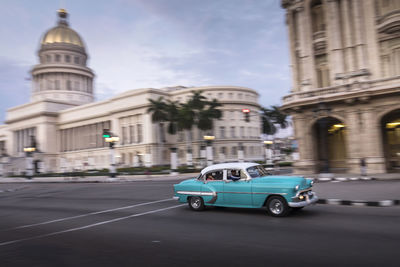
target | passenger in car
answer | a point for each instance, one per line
(209, 176)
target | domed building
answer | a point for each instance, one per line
(67, 125)
(62, 73)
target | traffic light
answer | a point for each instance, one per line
(106, 133)
(246, 113)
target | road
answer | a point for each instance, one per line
(137, 224)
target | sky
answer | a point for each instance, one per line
(153, 43)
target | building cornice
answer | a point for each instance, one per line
(52, 67)
(359, 90)
(33, 116)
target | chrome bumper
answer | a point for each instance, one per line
(175, 198)
(304, 203)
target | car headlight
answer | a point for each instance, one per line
(301, 197)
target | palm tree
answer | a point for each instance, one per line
(165, 112)
(270, 117)
(186, 120)
(207, 116)
(158, 110)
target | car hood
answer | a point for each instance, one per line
(286, 181)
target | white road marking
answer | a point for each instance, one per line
(88, 214)
(89, 226)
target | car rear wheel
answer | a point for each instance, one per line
(196, 203)
(277, 206)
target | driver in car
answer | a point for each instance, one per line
(234, 175)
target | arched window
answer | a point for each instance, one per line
(317, 16)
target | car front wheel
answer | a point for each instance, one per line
(196, 203)
(277, 206)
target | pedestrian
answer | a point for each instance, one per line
(363, 167)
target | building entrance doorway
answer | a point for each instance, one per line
(390, 125)
(330, 145)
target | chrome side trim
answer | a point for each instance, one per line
(257, 193)
(196, 193)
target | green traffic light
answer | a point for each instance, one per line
(106, 136)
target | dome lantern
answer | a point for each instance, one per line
(62, 33)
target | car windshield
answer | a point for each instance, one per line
(257, 171)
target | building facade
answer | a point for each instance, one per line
(345, 100)
(67, 124)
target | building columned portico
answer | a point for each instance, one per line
(67, 125)
(345, 100)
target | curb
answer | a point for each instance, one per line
(343, 179)
(382, 203)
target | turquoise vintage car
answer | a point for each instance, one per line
(245, 185)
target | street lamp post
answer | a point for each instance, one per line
(209, 150)
(112, 140)
(29, 157)
(268, 154)
(241, 152)
(29, 161)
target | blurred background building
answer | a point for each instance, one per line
(67, 125)
(345, 100)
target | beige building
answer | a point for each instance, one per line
(345, 100)
(68, 125)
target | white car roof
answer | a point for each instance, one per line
(230, 165)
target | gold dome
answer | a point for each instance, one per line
(62, 33)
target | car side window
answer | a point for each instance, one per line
(213, 176)
(243, 175)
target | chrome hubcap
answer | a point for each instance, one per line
(195, 202)
(275, 206)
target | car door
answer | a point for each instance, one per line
(213, 186)
(237, 193)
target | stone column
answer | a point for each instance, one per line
(292, 48)
(373, 143)
(304, 137)
(347, 35)
(359, 33)
(304, 55)
(335, 38)
(353, 140)
(372, 46)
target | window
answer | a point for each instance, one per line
(234, 151)
(396, 61)
(233, 131)
(230, 95)
(67, 58)
(76, 60)
(317, 15)
(48, 58)
(242, 132)
(322, 71)
(69, 85)
(58, 58)
(139, 133)
(132, 134)
(57, 83)
(220, 95)
(222, 132)
(77, 87)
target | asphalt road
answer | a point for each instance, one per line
(137, 224)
